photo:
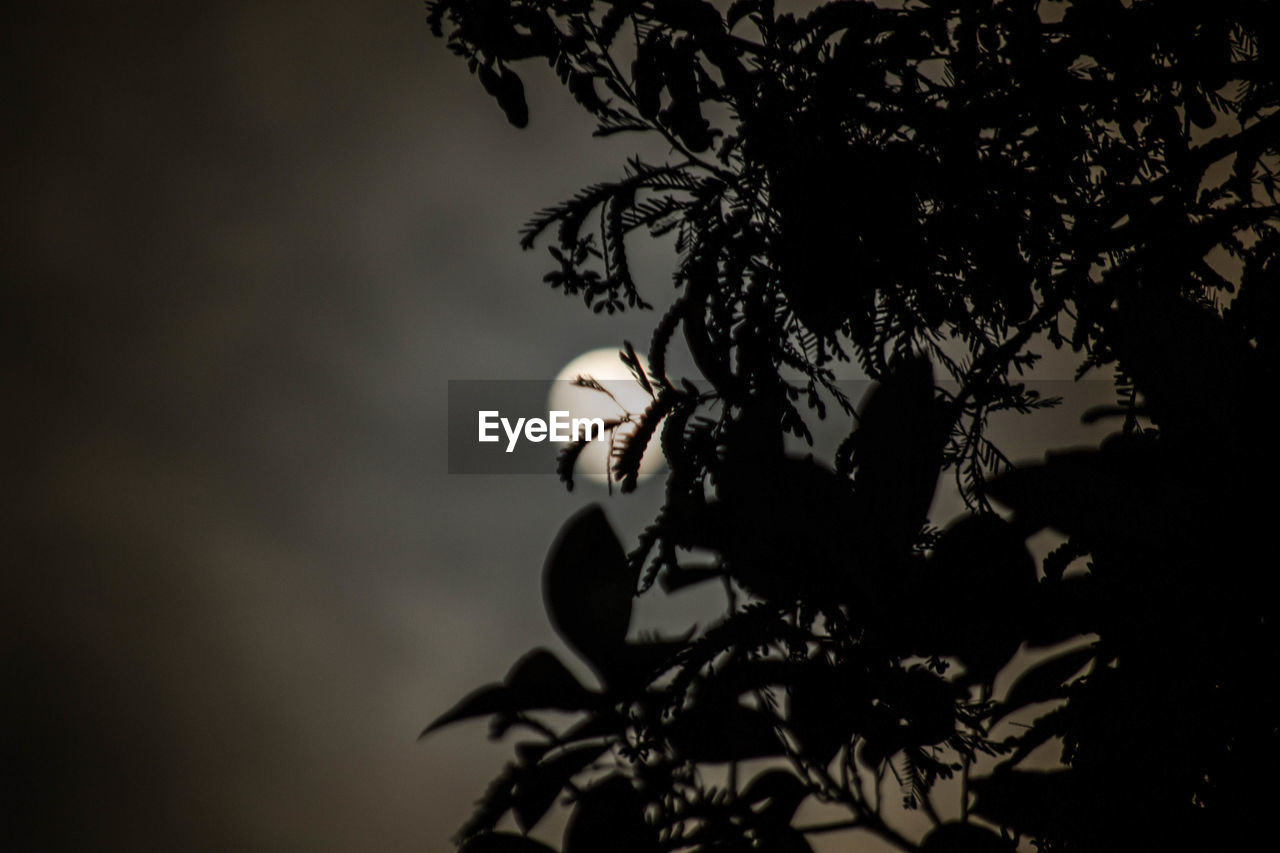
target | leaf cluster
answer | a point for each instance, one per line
(937, 185)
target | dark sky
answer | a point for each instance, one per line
(245, 247)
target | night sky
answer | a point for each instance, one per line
(246, 245)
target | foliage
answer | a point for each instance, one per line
(937, 184)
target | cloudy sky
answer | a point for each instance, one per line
(246, 245)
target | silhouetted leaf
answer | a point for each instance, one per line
(964, 838)
(898, 452)
(825, 706)
(582, 86)
(493, 806)
(505, 86)
(538, 786)
(1032, 802)
(1044, 729)
(986, 552)
(541, 677)
(1189, 368)
(982, 578)
(646, 74)
(778, 792)
(1043, 681)
(588, 585)
(1060, 610)
(567, 460)
(1081, 493)
(787, 527)
(536, 681)
(502, 842)
(492, 699)
(632, 361)
(1199, 111)
(603, 723)
(610, 816)
(630, 451)
(531, 751)
(697, 17)
(645, 659)
(676, 579)
(927, 702)
(725, 732)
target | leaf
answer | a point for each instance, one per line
(964, 838)
(630, 452)
(537, 786)
(502, 842)
(490, 699)
(1060, 610)
(679, 577)
(1192, 373)
(1199, 111)
(604, 723)
(643, 660)
(588, 585)
(825, 706)
(697, 17)
(541, 678)
(725, 732)
(492, 806)
(610, 816)
(581, 85)
(788, 526)
(1084, 494)
(928, 704)
(981, 578)
(986, 557)
(1036, 803)
(739, 9)
(781, 791)
(505, 86)
(536, 681)
(1045, 728)
(633, 363)
(646, 73)
(898, 452)
(1044, 681)
(567, 459)
(532, 751)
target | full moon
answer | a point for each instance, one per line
(629, 399)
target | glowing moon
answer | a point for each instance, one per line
(607, 368)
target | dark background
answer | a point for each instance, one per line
(246, 245)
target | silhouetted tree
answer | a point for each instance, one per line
(917, 187)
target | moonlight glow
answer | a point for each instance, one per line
(607, 368)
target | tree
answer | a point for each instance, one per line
(926, 187)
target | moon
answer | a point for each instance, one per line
(629, 398)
